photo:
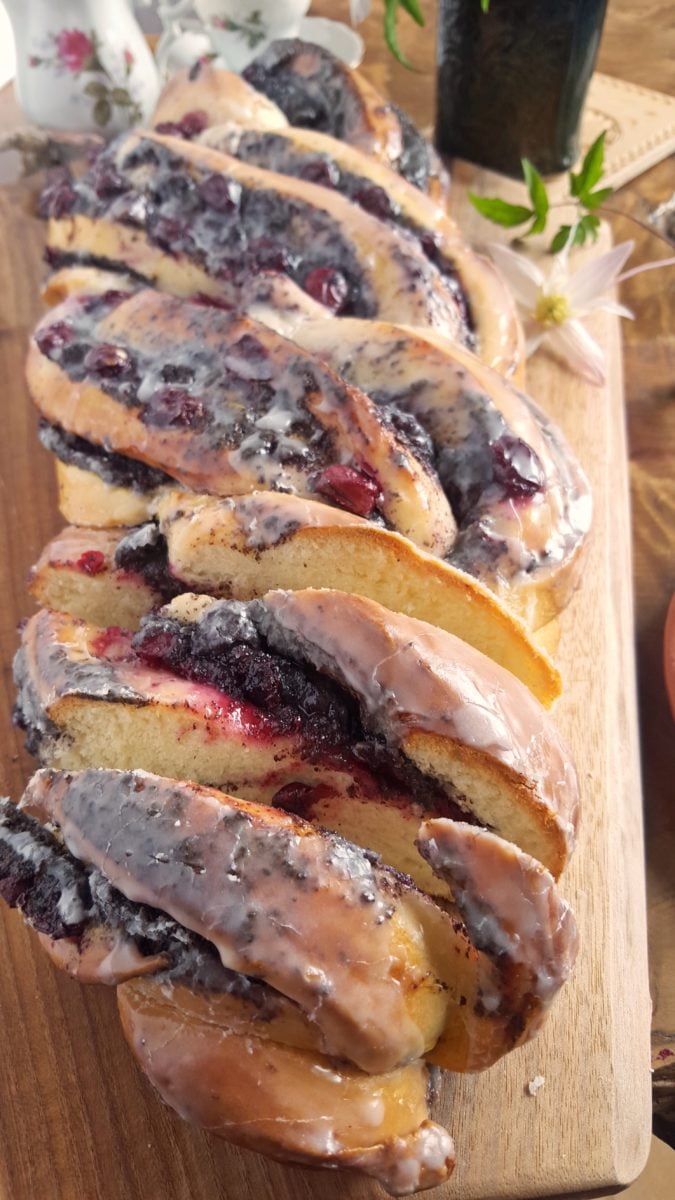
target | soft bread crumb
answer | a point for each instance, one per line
(534, 1085)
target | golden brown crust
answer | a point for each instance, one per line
(220, 95)
(290, 1103)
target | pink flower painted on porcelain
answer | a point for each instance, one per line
(74, 49)
(128, 58)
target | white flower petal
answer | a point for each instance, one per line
(558, 282)
(523, 276)
(576, 346)
(650, 266)
(610, 306)
(597, 275)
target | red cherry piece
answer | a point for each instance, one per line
(92, 562)
(59, 196)
(109, 361)
(350, 489)
(54, 337)
(194, 123)
(516, 467)
(321, 171)
(156, 648)
(220, 193)
(328, 286)
(112, 643)
(174, 407)
(375, 200)
(170, 128)
(109, 183)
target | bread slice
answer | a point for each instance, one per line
(458, 716)
(240, 547)
(521, 500)
(307, 154)
(203, 93)
(240, 875)
(371, 970)
(77, 573)
(87, 499)
(290, 1103)
(315, 88)
(192, 220)
(514, 914)
(478, 740)
(226, 405)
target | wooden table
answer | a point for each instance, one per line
(638, 47)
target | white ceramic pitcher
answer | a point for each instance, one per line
(82, 64)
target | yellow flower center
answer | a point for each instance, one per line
(551, 310)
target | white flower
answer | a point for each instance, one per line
(553, 304)
(358, 11)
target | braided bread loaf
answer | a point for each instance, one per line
(277, 376)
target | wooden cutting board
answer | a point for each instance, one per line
(77, 1120)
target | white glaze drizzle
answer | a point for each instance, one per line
(335, 956)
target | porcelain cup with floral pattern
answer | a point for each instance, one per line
(240, 29)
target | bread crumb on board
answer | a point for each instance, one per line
(534, 1085)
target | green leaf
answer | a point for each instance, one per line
(121, 96)
(591, 168)
(590, 226)
(413, 9)
(587, 227)
(102, 112)
(96, 89)
(560, 240)
(390, 34)
(485, 5)
(595, 199)
(500, 211)
(538, 195)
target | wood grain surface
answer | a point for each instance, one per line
(76, 1118)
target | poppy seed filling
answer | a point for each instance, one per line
(63, 897)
